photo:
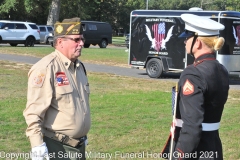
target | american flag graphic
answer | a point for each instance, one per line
(238, 35)
(159, 34)
(61, 79)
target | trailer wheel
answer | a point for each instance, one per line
(154, 68)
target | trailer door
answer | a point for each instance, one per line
(157, 36)
(229, 55)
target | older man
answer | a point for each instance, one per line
(57, 111)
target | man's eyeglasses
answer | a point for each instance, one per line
(77, 40)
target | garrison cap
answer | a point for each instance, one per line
(200, 26)
(68, 27)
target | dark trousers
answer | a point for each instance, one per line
(57, 150)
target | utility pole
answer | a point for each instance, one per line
(224, 7)
(146, 4)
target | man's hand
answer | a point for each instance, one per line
(40, 152)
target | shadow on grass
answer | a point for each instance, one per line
(166, 75)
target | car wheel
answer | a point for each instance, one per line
(86, 45)
(13, 44)
(103, 44)
(47, 41)
(154, 68)
(29, 42)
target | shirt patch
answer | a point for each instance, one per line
(61, 79)
(39, 79)
(188, 88)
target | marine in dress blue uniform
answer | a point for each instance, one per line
(202, 92)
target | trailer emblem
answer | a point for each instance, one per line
(236, 33)
(159, 41)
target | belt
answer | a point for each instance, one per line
(64, 138)
(205, 126)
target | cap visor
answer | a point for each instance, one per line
(185, 35)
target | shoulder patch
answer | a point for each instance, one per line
(39, 78)
(188, 88)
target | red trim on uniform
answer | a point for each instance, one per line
(181, 153)
(200, 61)
(167, 145)
(188, 88)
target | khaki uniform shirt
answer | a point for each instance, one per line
(57, 99)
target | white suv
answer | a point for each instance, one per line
(46, 33)
(16, 32)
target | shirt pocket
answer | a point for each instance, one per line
(64, 96)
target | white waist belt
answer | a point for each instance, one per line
(210, 126)
(205, 126)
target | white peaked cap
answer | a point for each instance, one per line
(201, 25)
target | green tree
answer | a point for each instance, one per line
(10, 11)
(24, 10)
(37, 10)
(7, 5)
(116, 12)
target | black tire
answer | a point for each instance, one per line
(86, 45)
(13, 44)
(29, 42)
(47, 41)
(154, 68)
(103, 44)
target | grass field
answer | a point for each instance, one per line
(130, 116)
(120, 41)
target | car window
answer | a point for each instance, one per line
(10, 25)
(92, 27)
(83, 27)
(49, 29)
(42, 29)
(20, 26)
(33, 26)
(2, 25)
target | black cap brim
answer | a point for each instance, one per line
(186, 34)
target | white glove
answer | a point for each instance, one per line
(86, 142)
(40, 152)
